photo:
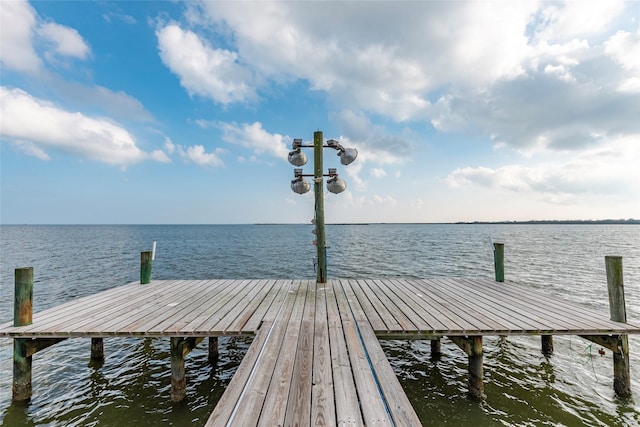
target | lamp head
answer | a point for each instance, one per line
(348, 156)
(297, 157)
(300, 185)
(336, 185)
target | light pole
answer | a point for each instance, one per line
(334, 184)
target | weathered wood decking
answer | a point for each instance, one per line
(421, 308)
(315, 358)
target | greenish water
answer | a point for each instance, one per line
(132, 386)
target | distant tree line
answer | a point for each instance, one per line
(559, 221)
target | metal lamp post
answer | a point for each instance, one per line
(334, 185)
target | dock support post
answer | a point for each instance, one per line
(472, 346)
(97, 350)
(476, 371)
(547, 345)
(617, 310)
(498, 261)
(22, 316)
(145, 267)
(213, 349)
(178, 378)
(436, 349)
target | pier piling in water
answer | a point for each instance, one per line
(22, 316)
(472, 346)
(617, 309)
(97, 350)
(213, 349)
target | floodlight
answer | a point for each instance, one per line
(297, 157)
(300, 185)
(347, 155)
(336, 185)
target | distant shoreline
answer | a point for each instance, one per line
(564, 222)
(529, 222)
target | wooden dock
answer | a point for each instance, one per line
(315, 358)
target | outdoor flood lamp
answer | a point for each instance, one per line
(348, 155)
(297, 157)
(336, 185)
(299, 184)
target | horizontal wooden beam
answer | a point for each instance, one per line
(465, 344)
(607, 341)
(35, 345)
(189, 344)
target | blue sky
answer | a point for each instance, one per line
(172, 112)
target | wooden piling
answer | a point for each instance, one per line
(436, 349)
(547, 345)
(472, 346)
(213, 349)
(476, 370)
(145, 267)
(22, 316)
(617, 310)
(97, 350)
(178, 378)
(498, 261)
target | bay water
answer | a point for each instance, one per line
(573, 387)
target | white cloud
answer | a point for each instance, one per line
(384, 200)
(254, 137)
(608, 169)
(23, 33)
(198, 155)
(38, 125)
(203, 70)
(64, 41)
(17, 23)
(624, 48)
(378, 172)
(463, 66)
(569, 19)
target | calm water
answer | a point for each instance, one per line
(132, 387)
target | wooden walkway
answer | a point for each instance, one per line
(315, 358)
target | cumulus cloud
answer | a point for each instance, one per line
(378, 172)
(35, 125)
(610, 168)
(64, 41)
(202, 69)
(22, 28)
(17, 23)
(198, 155)
(255, 138)
(462, 66)
(374, 142)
